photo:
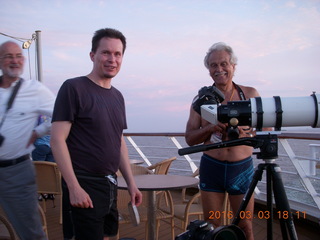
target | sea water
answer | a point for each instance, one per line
(156, 148)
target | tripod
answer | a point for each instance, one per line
(268, 144)
(274, 183)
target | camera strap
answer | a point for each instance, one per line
(10, 101)
(242, 96)
(239, 90)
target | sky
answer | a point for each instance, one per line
(277, 43)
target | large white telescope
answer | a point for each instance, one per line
(260, 112)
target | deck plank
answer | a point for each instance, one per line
(127, 230)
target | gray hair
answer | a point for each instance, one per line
(220, 46)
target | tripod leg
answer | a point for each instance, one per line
(282, 204)
(256, 177)
(269, 203)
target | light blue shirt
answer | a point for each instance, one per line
(33, 99)
(45, 140)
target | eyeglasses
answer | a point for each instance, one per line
(10, 57)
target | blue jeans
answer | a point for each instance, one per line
(42, 153)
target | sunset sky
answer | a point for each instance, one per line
(277, 44)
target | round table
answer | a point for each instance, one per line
(153, 183)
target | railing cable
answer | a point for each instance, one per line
(191, 163)
(303, 176)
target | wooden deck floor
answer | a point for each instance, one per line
(306, 231)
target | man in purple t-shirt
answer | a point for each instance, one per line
(87, 140)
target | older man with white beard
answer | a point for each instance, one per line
(225, 169)
(21, 103)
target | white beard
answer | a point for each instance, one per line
(14, 73)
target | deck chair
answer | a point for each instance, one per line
(7, 231)
(226, 204)
(226, 208)
(193, 207)
(184, 211)
(137, 170)
(48, 179)
(165, 216)
(43, 220)
(163, 197)
(184, 190)
(124, 198)
(162, 167)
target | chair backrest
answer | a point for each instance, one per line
(7, 231)
(137, 170)
(162, 167)
(140, 170)
(123, 195)
(48, 177)
(183, 192)
(196, 173)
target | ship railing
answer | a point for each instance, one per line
(298, 158)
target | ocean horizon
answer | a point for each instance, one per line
(156, 148)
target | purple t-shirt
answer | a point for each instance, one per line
(98, 118)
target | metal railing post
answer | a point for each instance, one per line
(315, 150)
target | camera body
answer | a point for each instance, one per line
(212, 96)
(201, 230)
(197, 229)
(207, 95)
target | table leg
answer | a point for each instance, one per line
(151, 215)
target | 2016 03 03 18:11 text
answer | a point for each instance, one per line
(259, 215)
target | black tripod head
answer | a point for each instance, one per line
(266, 141)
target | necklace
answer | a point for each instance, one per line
(232, 94)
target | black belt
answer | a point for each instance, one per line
(111, 177)
(7, 163)
(97, 175)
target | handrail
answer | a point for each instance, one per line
(157, 146)
(300, 135)
(284, 134)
